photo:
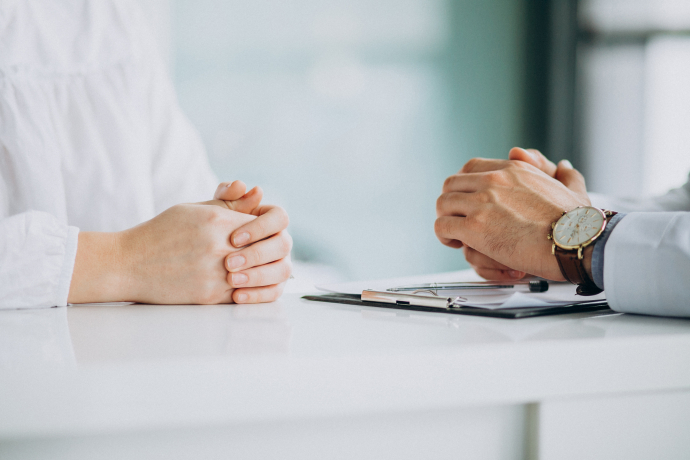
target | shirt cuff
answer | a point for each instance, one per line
(598, 252)
(65, 281)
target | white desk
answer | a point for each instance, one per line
(306, 380)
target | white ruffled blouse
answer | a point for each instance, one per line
(91, 138)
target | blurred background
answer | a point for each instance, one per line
(351, 113)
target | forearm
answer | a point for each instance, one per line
(98, 274)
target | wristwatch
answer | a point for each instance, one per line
(573, 232)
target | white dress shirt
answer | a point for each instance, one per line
(91, 138)
(647, 255)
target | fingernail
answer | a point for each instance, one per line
(228, 184)
(235, 262)
(239, 278)
(514, 274)
(241, 238)
(242, 297)
(566, 164)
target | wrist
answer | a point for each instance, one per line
(587, 260)
(99, 274)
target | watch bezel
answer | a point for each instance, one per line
(586, 243)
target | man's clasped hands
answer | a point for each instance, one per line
(234, 249)
(500, 212)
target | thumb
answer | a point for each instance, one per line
(535, 158)
(230, 190)
(570, 177)
(248, 203)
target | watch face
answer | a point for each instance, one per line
(578, 226)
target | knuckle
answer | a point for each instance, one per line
(283, 217)
(260, 227)
(440, 202)
(219, 191)
(254, 255)
(482, 197)
(471, 257)
(438, 226)
(477, 259)
(475, 221)
(495, 177)
(256, 277)
(522, 164)
(470, 165)
(514, 170)
(446, 226)
(485, 273)
(491, 195)
(276, 293)
(448, 183)
(285, 245)
(289, 239)
(285, 271)
(272, 293)
(213, 214)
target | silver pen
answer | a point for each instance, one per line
(534, 286)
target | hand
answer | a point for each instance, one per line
(263, 266)
(485, 266)
(503, 210)
(177, 257)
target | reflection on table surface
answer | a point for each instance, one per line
(84, 335)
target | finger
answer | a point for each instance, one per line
(498, 275)
(455, 204)
(263, 252)
(455, 244)
(535, 158)
(263, 275)
(483, 165)
(248, 203)
(450, 228)
(258, 294)
(227, 297)
(270, 220)
(230, 190)
(468, 182)
(485, 264)
(477, 259)
(571, 177)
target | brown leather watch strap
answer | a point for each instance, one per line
(573, 268)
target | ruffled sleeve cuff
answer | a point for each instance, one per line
(37, 254)
(71, 242)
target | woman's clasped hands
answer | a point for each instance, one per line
(230, 249)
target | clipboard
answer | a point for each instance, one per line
(506, 313)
